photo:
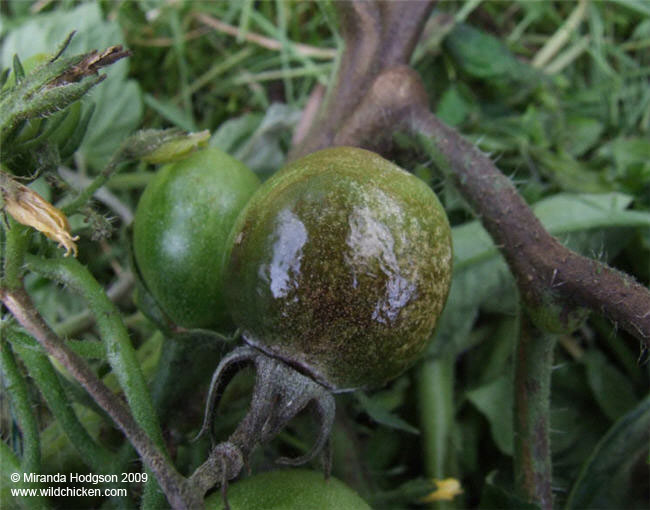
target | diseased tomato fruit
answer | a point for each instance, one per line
(180, 230)
(293, 489)
(340, 266)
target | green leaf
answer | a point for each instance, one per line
(263, 152)
(233, 133)
(118, 100)
(629, 156)
(484, 56)
(604, 481)
(257, 141)
(452, 107)
(381, 415)
(495, 401)
(611, 389)
(563, 213)
(118, 114)
(576, 421)
(581, 134)
(567, 172)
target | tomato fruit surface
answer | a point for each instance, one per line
(340, 265)
(291, 489)
(180, 229)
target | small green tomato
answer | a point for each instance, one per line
(294, 489)
(180, 231)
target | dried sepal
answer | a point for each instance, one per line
(91, 63)
(29, 208)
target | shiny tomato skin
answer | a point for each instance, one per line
(340, 265)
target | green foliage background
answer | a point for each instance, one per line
(566, 117)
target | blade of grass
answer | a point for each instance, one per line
(284, 50)
(567, 57)
(435, 388)
(296, 49)
(561, 36)
(183, 72)
(220, 68)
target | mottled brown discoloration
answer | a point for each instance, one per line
(341, 266)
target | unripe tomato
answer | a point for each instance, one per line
(292, 489)
(180, 229)
(340, 265)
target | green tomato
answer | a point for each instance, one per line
(340, 265)
(294, 489)
(180, 229)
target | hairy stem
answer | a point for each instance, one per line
(377, 35)
(119, 350)
(532, 458)
(22, 407)
(42, 372)
(178, 493)
(546, 271)
(16, 243)
(84, 196)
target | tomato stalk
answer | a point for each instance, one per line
(280, 393)
(43, 374)
(16, 242)
(532, 456)
(119, 351)
(179, 494)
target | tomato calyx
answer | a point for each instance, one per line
(279, 394)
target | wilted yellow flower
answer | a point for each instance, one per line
(446, 490)
(29, 208)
